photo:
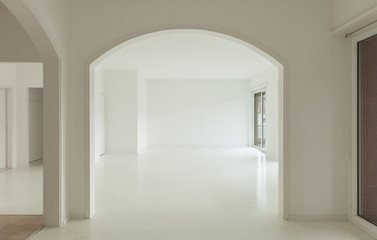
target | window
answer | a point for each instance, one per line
(367, 129)
(260, 119)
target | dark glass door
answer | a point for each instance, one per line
(367, 129)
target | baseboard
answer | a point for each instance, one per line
(36, 161)
(34, 233)
(77, 216)
(364, 225)
(317, 218)
(120, 154)
(21, 165)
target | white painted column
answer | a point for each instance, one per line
(3, 128)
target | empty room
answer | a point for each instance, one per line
(181, 137)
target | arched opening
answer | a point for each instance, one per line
(53, 196)
(273, 67)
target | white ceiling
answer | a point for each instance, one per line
(187, 56)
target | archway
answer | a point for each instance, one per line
(262, 51)
(52, 181)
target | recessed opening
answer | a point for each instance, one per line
(21, 151)
(190, 92)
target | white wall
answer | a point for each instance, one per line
(197, 112)
(20, 77)
(121, 111)
(15, 44)
(142, 111)
(99, 113)
(29, 75)
(346, 10)
(114, 138)
(295, 32)
(35, 124)
(269, 79)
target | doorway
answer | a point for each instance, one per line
(279, 110)
(21, 209)
(22, 182)
(35, 125)
(367, 132)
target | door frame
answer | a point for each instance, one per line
(9, 125)
(352, 132)
(283, 77)
(28, 120)
(253, 91)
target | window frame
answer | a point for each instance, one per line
(353, 132)
(259, 89)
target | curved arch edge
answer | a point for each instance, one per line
(279, 62)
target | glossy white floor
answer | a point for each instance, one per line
(21, 190)
(191, 194)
